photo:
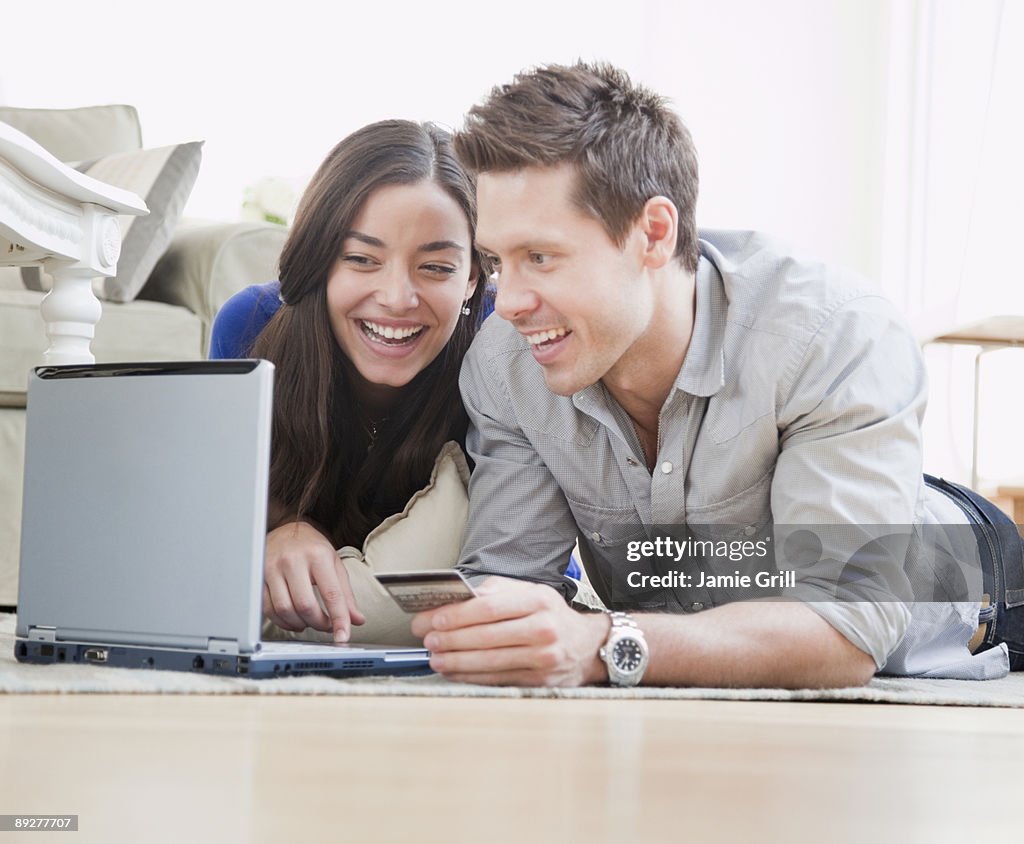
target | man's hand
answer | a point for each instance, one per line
(299, 557)
(515, 634)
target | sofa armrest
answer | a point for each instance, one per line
(207, 263)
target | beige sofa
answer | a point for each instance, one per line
(170, 319)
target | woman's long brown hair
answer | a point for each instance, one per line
(322, 465)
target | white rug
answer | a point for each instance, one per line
(16, 678)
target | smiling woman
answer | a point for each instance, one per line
(380, 293)
(396, 293)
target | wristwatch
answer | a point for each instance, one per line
(624, 651)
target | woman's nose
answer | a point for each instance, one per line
(396, 290)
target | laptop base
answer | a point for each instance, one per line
(356, 662)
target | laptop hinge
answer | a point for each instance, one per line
(223, 646)
(42, 633)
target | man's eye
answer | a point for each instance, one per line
(539, 258)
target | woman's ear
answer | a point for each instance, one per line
(659, 222)
(474, 279)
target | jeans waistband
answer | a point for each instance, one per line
(998, 540)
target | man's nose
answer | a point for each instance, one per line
(514, 298)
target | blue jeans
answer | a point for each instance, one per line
(1002, 563)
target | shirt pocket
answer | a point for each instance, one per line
(742, 515)
(605, 534)
(606, 527)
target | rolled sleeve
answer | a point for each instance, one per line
(850, 455)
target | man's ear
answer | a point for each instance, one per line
(659, 222)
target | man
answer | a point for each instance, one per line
(641, 377)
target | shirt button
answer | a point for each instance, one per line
(666, 467)
(632, 462)
(696, 606)
(750, 530)
(595, 536)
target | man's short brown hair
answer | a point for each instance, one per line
(625, 143)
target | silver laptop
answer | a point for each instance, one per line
(144, 521)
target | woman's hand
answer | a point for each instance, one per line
(298, 558)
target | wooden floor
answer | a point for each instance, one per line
(233, 768)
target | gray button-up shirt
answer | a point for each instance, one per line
(799, 402)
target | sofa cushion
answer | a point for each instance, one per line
(78, 134)
(208, 263)
(133, 332)
(163, 177)
(12, 458)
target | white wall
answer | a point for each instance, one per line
(802, 111)
(785, 99)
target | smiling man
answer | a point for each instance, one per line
(644, 379)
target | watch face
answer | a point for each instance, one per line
(627, 655)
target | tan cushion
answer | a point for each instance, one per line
(208, 263)
(10, 278)
(78, 134)
(134, 332)
(427, 534)
(12, 458)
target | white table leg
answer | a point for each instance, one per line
(54, 215)
(70, 311)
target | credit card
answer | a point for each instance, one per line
(417, 591)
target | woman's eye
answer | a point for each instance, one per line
(440, 269)
(358, 260)
(539, 259)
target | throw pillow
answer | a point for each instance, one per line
(427, 534)
(164, 178)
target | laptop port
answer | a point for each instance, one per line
(198, 664)
(95, 654)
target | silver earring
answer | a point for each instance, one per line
(465, 310)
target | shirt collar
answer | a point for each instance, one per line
(703, 369)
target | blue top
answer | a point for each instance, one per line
(242, 318)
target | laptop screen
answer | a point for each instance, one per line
(145, 498)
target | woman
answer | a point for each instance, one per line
(380, 294)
